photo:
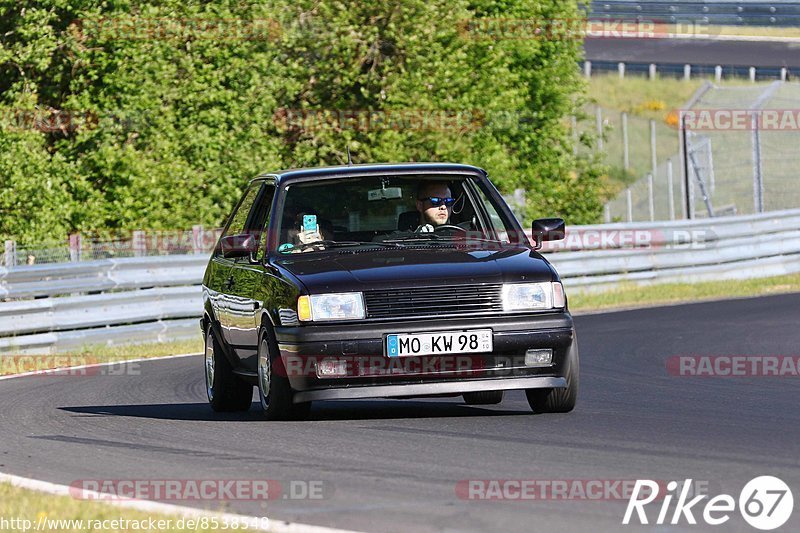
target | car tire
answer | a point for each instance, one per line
(560, 400)
(484, 397)
(274, 391)
(226, 391)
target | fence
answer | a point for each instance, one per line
(633, 147)
(687, 71)
(79, 247)
(69, 305)
(730, 150)
(151, 299)
(736, 12)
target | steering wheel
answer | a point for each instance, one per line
(441, 227)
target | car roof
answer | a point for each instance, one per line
(348, 170)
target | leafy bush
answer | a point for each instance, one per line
(165, 109)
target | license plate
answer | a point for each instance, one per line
(439, 343)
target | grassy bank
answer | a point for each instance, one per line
(28, 510)
(97, 354)
(630, 296)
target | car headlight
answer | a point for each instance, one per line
(327, 307)
(528, 296)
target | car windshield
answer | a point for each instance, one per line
(390, 211)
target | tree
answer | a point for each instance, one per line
(174, 106)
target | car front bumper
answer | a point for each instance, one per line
(370, 373)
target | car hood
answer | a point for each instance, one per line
(359, 270)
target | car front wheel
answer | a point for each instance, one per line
(225, 390)
(560, 400)
(274, 391)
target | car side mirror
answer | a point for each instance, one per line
(547, 229)
(235, 246)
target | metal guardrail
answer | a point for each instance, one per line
(153, 299)
(736, 12)
(103, 275)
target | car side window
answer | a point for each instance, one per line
(495, 219)
(258, 222)
(238, 223)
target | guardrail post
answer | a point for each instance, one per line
(651, 204)
(197, 239)
(587, 69)
(670, 193)
(687, 72)
(752, 72)
(626, 160)
(607, 214)
(758, 175)
(598, 115)
(75, 247)
(718, 73)
(653, 153)
(651, 71)
(139, 243)
(621, 70)
(629, 200)
(10, 257)
(783, 73)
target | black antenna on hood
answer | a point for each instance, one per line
(349, 159)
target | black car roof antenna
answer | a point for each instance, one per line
(349, 159)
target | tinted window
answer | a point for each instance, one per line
(499, 223)
(380, 207)
(246, 218)
(259, 217)
(238, 220)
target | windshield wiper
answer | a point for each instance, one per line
(416, 237)
(341, 244)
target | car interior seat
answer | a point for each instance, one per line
(408, 221)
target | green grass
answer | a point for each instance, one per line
(642, 99)
(98, 354)
(639, 96)
(135, 351)
(631, 296)
(758, 31)
(645, 99)
(24, 504)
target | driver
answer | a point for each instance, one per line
(434, 203)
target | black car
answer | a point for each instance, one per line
(383, 281)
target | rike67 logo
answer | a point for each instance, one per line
(765, 503)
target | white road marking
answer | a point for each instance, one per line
(93, 365)
(147, 505)
(263, 523)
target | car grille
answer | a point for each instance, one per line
(434, 301)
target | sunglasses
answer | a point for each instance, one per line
(436, 201)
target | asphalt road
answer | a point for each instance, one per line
(694, 52)
(394, 465)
